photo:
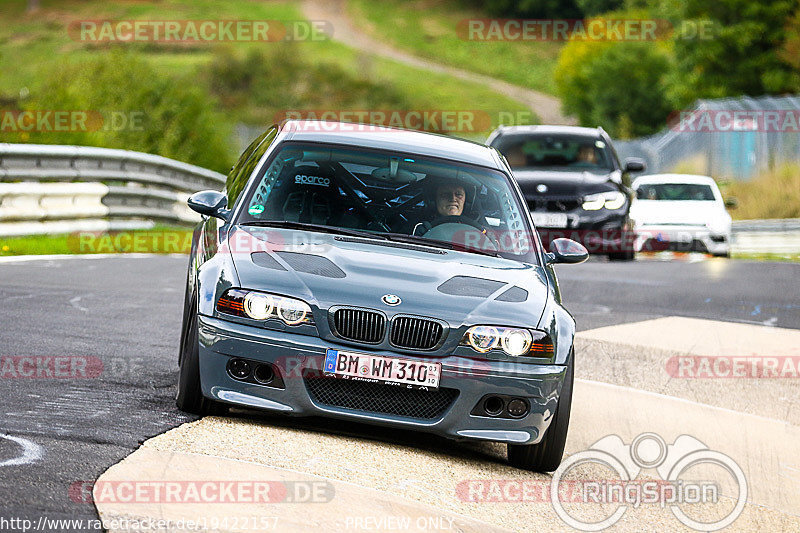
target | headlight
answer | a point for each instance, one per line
(264, 306)
(516, 341)
(512, 341)
(293, 312)
(609, 200)
(483, 338)
(258, 306)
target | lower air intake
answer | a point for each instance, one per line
(380, 398)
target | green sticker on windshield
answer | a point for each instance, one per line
(256, 209)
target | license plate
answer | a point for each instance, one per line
(550, 220)
(378, 369)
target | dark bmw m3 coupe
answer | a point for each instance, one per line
(382, 276)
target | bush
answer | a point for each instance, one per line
(265, 82)
(140, 110)
(621, 86)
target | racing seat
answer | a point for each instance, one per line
(309, 199)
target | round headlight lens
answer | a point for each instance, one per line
(483, 338)
(258, 306)
(292, 312)
(517, 341)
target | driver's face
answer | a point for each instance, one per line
(450, 200)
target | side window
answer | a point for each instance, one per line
(240, 173)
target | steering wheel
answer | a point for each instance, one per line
(447, 227)
(457, 219)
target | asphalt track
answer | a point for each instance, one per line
(125, 312)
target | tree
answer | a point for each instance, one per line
(737, 51)
(621, 87)
(790, 51)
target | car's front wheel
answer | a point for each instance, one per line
(546, 455)
(190, 395)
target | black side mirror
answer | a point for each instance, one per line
(634, 164)
(731, 203)
(567, 251)
(210, 204)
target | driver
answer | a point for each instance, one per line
(450, 198)
(443, 198)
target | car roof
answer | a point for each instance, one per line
(674, 178)
(396, 139)
(545, 129)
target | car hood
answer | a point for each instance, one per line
(565, 183)
(327, 270)
(695, 213)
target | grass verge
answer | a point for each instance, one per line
(158, 240)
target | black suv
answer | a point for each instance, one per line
(573, 183)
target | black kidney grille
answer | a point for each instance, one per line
(415, 333)
(360, 325)
(380, 398)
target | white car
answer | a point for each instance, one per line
(680, 212)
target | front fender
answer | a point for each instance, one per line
(560, 325)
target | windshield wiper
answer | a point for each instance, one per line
(286, 224)
(414, 239)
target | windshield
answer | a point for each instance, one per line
(388, 195)
(675, 191)
(555, 151)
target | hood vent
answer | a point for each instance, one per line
(469, 286)
(264, 259)
(312, 264)
(514, 294)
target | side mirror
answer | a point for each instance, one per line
(567, 251)
(634, 164)
(731, 203)
(210, 204)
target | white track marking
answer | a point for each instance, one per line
(75, 302)
(31, 452)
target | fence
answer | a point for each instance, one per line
(727, 138)
(62, 189)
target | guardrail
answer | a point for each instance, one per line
(776, 236)
(62, 189)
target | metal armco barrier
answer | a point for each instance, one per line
(62, 189)
(766, 236)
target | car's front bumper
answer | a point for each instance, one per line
(296, 355)
(601, 232)
(682, 238)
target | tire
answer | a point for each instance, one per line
(621, 256)
(190, 395)
(546, 455)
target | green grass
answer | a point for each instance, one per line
(429, 28)
(34, 45)
(159, 240)
(784, 258)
